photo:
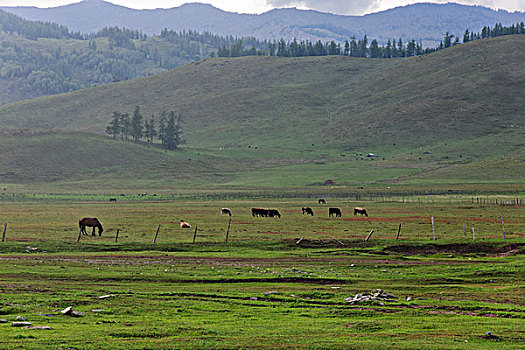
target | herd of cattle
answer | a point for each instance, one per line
(260, 212)
(271, 213)
(256, 212)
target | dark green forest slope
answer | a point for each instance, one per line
(39, 58)
(454, 116)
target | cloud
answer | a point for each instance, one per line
(334, 6)
(360, 7)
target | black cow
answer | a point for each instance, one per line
(226, 211)
(273, 212)
(308, 211)
(334, 211)
(259, 212)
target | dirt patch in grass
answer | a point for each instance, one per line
(458, 248)
(236, 261)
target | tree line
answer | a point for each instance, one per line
(360, 47)
(134, 128)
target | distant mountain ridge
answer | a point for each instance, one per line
(423, 21)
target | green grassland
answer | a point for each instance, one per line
(262, 289)
(281, 122)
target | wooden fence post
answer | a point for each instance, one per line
(338, 241)
(5, 229)
(156, 234)
(398, 231)
(433, 231)
(465, 230)
(195, 234)
(116, 236)
(369, 235)
(473, 234)
(503, 225)
(228, 231)
(43, 238)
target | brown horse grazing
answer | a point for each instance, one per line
(90, 222)
(308, 211)
(322, 201)
(361, 211)
(226, 211)
(334, 212)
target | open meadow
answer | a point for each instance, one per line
(276, 282)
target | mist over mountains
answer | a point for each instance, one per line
(423, 22)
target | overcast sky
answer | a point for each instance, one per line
(344, 7)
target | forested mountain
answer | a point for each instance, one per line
(38, 58)
(422, 22)
(41, 58)
(455, 115)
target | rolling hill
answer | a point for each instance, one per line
(425, 22)
(452, 117)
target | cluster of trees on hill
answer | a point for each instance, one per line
(360, 47)
(169, 131)
(11, 23)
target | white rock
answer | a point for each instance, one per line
(37, 327)
(67, 310)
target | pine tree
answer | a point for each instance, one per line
(375, 51)
(448, 40)
(162, 127)
(347, 48)
(136, 125)
(362, 47)
(178, 131)
(466, 36)
(400, 48)
(169, 134)
(353, 48)
(114, 126)
(294, 48)
(271, 48)
(152, 132)
(125, 126)
(281, 48)
(319, 49)
(333, 49)
(411, 48)
(173, 132)
(387, 52)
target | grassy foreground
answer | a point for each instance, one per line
(262, 289)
